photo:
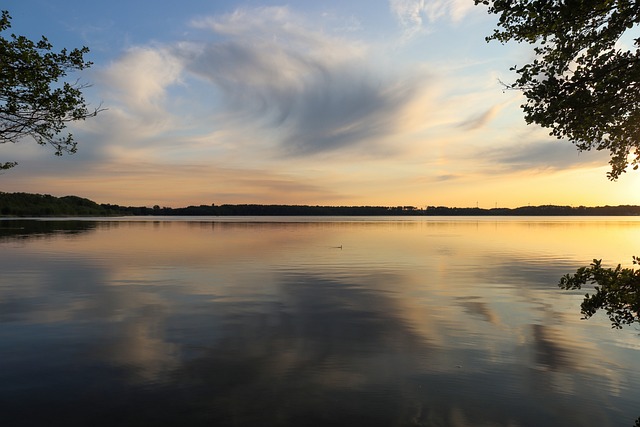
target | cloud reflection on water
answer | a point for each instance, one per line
(267, 324)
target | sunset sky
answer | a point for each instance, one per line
(360, 102)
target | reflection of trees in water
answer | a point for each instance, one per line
(29, 229)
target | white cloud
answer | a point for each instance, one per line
(266, 81)
(284, 30)
(453, 10)
(139, 79)
(412, 14)
(135, 90)
(314, 89)
(408, 12)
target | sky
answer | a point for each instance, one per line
(389, 103)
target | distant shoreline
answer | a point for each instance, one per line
(39, 205)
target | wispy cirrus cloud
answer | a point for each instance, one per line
(480, 120)
(415, 15)
(311, 88)
(542, 155)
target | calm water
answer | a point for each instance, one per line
(311, 321)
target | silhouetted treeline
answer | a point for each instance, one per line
(543, 210)
(281, 210)
(26, 204)
(304, 210)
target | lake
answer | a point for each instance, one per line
(304, 321)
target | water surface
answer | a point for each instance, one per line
(310, 321)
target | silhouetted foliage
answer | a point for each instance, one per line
(26, 204)
(584, 84)
(34, 99)
(617, 291)
(304, 210)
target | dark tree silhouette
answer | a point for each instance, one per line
(584, 83)
(617, 291)
(35, 101)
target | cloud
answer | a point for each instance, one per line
(411, 14)
(135, 89)
(258, 86)
(480, 120)
(349, 111)
(408, 12)
(542, 155)
(140, 79)
(310, 88)
(447, 177)
(454, 10)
